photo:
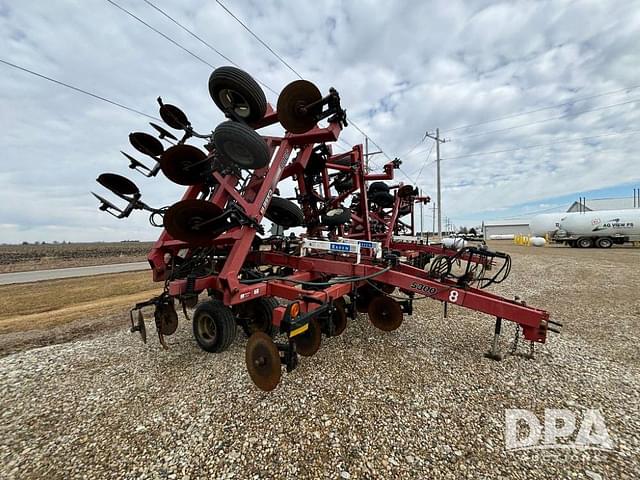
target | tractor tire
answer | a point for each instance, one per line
(231, 87)
(257, 315)
(336, 217)
(604, 242)
(214, 326)
(241, 145)
(284, 212)
(584, 242)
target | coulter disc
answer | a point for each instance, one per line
(263, 361)
(385, 313)
(308, 343)
(291, 106)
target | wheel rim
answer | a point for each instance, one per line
(206, 328)
(232, 100)
(335, 212)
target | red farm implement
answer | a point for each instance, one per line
(355, 249)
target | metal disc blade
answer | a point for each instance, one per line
(118, 184)
(339, 318)
(133, 163)
(405, 191)
(145, 143)
(163, 131)
(293, 97)
(263, 361)
(308, 343)
(174, 117)
(185, 164)
(105, 203)
(186, 221)
(385, 313)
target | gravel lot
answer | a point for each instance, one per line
(421, 402)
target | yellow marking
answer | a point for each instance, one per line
(299, 330)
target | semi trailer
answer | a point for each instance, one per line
(600, 229)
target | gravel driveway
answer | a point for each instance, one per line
(420, 402)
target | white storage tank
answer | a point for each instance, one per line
(600, 228)
(546, 223)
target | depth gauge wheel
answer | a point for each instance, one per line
(284, 212)
(214, 326)
(308, 343)
(378, 187)
(385, 313)
(336, 217)
(241, 145)
(235, 90)
(263, 361)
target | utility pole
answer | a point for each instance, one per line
(438, 140)
(422, 216)
(368, 154)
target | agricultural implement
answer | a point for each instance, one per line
(354, 250)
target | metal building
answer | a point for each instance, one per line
(603, 204)
(506, 227)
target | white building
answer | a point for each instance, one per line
(506, 227)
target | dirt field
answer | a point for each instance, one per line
(43, 313)
(20, 258)
(420, 402)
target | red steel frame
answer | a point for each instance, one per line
(256, 198)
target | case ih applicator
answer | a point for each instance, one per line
(356, 245)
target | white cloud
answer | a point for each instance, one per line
(401, 68)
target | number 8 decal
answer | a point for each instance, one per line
(453, 296)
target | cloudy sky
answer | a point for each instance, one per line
(401, 67)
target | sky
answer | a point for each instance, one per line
(402, 68)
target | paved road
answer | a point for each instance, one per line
(40, 275)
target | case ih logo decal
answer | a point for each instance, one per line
(613, 223)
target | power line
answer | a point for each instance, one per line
(258, 38)
(426, 160)
(570, 102)
(604, 107)
(80, 90)
(201, 40)
(527, 147)
(160, 33)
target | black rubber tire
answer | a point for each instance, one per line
(284, 212)
(378, 187)
(382, 199)
(262, 306)
(336, 217)
(584, 242)
(604, 242)
(210, 314)
(226, 79)
(343, 184)
(241, 145)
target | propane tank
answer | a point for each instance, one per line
(537, 242)
(451, 242)
(546, 223)
(602, 223)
